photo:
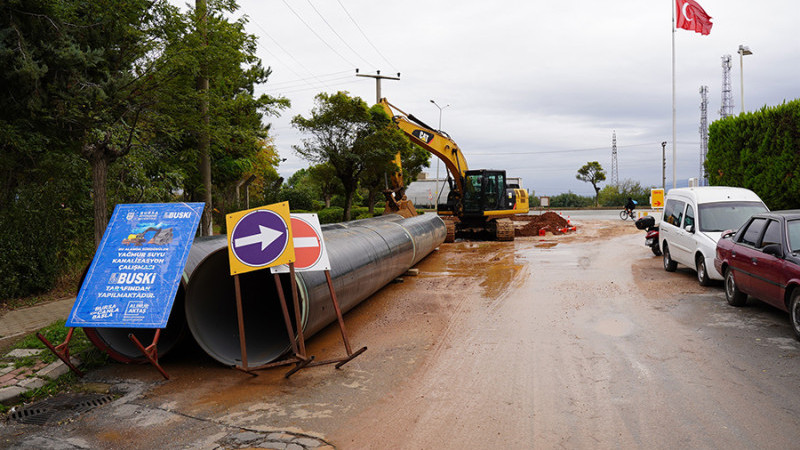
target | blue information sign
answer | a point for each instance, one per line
(136, 271)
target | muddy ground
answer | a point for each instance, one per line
(578, 340)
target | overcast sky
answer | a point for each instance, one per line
(535, 88)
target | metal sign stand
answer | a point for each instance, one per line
(350, 355)
(62, 350)
(299, 356)
(298, 342)
(151, 351)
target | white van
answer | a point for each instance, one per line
(695, 217)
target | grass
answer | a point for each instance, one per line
(56, 333)
(79, 345)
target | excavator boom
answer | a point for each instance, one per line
(436, 142)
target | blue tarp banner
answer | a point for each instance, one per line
(135, 274)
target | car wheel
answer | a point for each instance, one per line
(669, 264)
(733, 295)
(794, 312)
(702, 273)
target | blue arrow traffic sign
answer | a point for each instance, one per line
(259, 238)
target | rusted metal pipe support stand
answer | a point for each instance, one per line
(150, 352)
(62, 350)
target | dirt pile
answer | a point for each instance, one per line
(531, 225)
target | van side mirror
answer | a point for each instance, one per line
(773, 249)
(689, 228)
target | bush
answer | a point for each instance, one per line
(359, 212)
(298, 198)
(47, 231)
(41, 240)
(758, 151)
(571, 200)
(334, 214)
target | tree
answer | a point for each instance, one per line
(412, 159)
(592, 172)
(617, 195)
(108, 88)
(323, 178)
(84, 69)
(264, 167)
(233, 125)
(348, 135)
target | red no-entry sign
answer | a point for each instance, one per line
(309, 246)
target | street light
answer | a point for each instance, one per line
(743, 50)
(440, 112)
(437, 159)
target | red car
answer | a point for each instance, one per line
(762, 260)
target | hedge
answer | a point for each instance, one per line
(759, 151)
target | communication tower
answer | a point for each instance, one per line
(727, 97)
(614, 166)
(703, 178)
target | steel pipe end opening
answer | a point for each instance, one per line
(212, 316)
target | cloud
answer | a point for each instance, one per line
(536, 88)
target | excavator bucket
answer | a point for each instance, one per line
(404, 207)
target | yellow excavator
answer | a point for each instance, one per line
(479, 201)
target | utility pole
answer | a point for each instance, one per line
(378, 79)
(664, 165)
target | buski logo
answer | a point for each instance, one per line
(422, 135)
(132, 278)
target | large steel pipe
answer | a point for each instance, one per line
(365, 255)
(115, 341)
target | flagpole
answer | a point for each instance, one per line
(674, 140)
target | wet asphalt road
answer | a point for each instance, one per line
(578, 341)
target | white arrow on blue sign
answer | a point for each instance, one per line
(263, 227)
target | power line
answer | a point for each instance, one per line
(288, 67)
(301, 89)
(317, 35)
(576, 150)
(321, 78)
(365, 36)
(337, 34)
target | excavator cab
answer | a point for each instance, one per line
(484, 190)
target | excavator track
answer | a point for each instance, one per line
(504, 230)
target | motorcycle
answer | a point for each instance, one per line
(648, 223)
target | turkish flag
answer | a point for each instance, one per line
(692, 17)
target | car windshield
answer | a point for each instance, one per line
(793, 227)
(727, 215)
